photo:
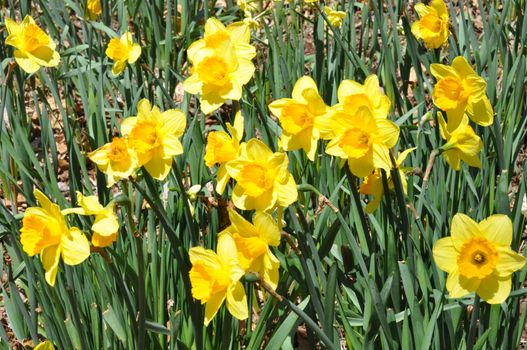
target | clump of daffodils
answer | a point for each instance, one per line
(45, 231)
(221, 64)
(150, 140)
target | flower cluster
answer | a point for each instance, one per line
(45, 231)
(150, 140)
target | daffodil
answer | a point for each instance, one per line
(122, 51)
(303, 117)
(373, 184)
(105, 227)
(460, 90)
(216, 277)
(154, 137)
(116, 159)
(432, 27)
(478, 257)
(93, 9)
(45, 231)
(252, 243)
(336, 18)
(353, 95)
(221, 64)
(33, 47)
(222, 148)
(262, 178)
(463, 144)
(363, 140)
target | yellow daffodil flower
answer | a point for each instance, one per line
(363, 140)
(252, 243)
(432, 27)
(352, 95)
(45, 231)
(336, 18)
(154, 137)
(302, 117)
(105, 227)
(216, 277)
(122, 51)
(33, 47)
(463, 144)
(47, 345)
(460, 90)
(478, 257)
(374, 186)
(221, 64)
(116, 159)
(222, 148)
(263, 180)
(93, 9)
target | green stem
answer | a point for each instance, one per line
(473, 323)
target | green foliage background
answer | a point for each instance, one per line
(361, 281)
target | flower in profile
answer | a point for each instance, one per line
(222, 148)
(460, 90)
(463, 144)
(336, 18)
(122, 51)
(221, 64)
(362, 139)
(45, 231)
(93, 9)
(432, 27)
(33, 47)
(302, 117)
(47, 345)
(478, 257)
(105, 227)
(373, 184)
(252, 243)
(262, 178)
(116, 159)
(216, 277)
(154, 137)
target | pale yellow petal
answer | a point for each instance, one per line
(494, 289)
(445, 254)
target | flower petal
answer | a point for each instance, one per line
(508, 261)
(462, 229)
(494, 289)
(445, 254)
(237, 301)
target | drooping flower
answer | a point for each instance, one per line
(363, 140)
(303, 117)
(222, 148)
(93, 9)
(116, 159)
(432, 27)
(373, 184)
(463, 144)
(336, 18)
(460, 90)
(105, 227)
(216, 277)
(252, 243)
(122, 51)
(45, 231)
(478, 257)
(154, 137)
(221, 64)
(33, 47)
(262, 178)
